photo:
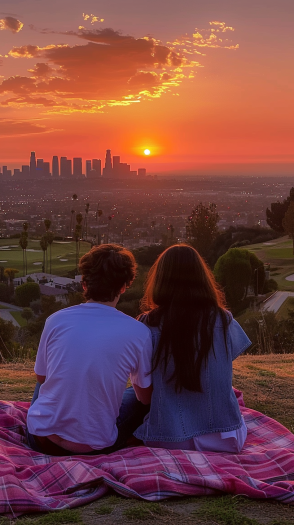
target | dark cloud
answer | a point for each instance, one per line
(11, 24)
(108, 69)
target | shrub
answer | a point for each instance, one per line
(26, 293)
(4, 293)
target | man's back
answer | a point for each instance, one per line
(87, 353)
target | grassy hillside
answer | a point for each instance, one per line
(63, 255)
(279, 253)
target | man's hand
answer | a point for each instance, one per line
(143, 394)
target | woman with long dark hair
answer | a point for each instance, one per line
(195, 340)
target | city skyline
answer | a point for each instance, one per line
(64, 168)
(205, 87)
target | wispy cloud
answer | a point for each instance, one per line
(12, 128)
(11, 24)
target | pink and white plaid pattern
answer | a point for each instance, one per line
(33, 482)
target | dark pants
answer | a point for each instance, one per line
(131, 416)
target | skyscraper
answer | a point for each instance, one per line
(77, 167)
(96, 165)
(142, 172)
(39, 169)
(63, 167)
(88, 167)
(55, 166)
(46, 170)
(68, 168)
(107, 171)
(33, 165)
(116, 167)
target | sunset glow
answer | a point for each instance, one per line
(204, 90)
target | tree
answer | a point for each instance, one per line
(277, 211)
(10, 274)
(86, 219)
(27, 292)
(288, 222)
(201, 227)
(7, 331)
(44, 246)
(27, 314)
(77, 236)
(23, 242)
(50, 239)
(235, 271)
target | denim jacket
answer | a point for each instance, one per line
(181, 416)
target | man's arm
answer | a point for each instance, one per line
(41, 379)
(143, 394)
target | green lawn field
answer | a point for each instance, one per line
(63, 256)
(279, 253)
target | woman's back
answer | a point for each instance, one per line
(195, 341)
(179, 416)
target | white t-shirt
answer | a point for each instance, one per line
(87, 352)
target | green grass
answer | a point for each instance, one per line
(281, 258)
(225, 511)
(3, 307)
(59, 251)
(145, 511)
(19, 319)
(54, 518)
(283, 312)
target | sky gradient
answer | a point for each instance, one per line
(206, 86)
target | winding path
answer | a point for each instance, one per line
(276, 301)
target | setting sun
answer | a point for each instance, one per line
(147, 152)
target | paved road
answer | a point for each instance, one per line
(11, 307)
(275, 302)
(6, 316)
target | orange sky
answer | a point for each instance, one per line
(74, 83)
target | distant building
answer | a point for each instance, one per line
(68, 168)
(142, 172)
(55, 166)
(16, 174)
(46, 170)
(92, 174)
(88, 167)
(77, 167)
(107, 170)
(33, 165)
(25, 170)
(63, 167)
(96, 165)
(39, 169)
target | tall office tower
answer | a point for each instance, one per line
(116, 166)
(39, 169)
(46, 170)
(88, 167)
(133, 173)
(33, 165)
(107, 170)
(142, 172)
(77, 167)
(55, 166)
(96, 165)
(4, 172)
(68, 168)
(16, 174)
(63, 166)
(25, 170)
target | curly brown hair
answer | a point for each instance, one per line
(105, 270)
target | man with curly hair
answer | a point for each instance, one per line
(85, 357)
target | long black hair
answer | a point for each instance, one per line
(183, 298)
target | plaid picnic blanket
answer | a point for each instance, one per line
(33, 482)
